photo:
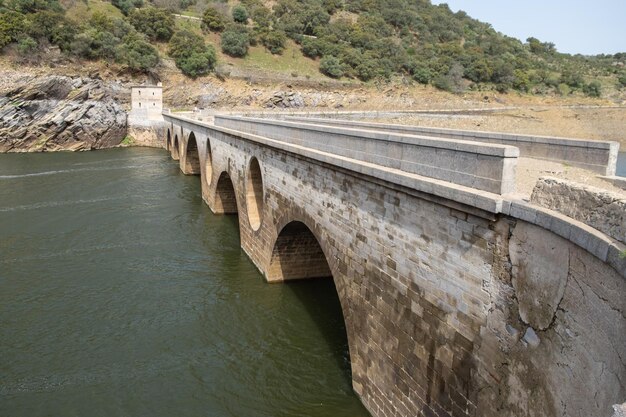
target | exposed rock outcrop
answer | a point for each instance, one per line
(285, 100)
(60, 113)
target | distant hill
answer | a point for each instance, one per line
(360, 40)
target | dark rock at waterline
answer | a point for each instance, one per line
(60, 113)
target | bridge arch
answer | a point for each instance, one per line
(302, 251)
(168, 143)
(208, 164)
(191, 162)
(254, 193)
(175, 149)
(225, 200)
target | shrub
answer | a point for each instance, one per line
(51, 26)
(240, 14)
(126, 6)
(26, 46)
(593, 89)
(11, 26)
(32, 6)
(156, 24)
(331, 66)
(420, 72)
(95, 44)
(137, 54)
(452, 81)
(191, 55)
(274, 41)
(213, 20)
(235, 42)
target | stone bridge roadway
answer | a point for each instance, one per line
(459, 298)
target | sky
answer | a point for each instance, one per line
(587, 27)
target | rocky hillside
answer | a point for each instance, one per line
(51, 113)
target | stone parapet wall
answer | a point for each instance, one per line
(600, 209)
(597, 156)
(485, 167)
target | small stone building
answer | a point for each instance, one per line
(145, 124)
(147, 101)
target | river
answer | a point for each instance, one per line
(121, 294)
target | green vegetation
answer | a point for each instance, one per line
(190, 53)
(240, 14)
(213, 20)
(156, 24)
(360, 39)
(235, 41)
(127, 141)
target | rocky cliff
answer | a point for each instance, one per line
(53, 113)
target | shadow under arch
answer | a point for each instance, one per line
(192, 156)
(299, 254)
(225, 201)
(168, 143)
(175, 148)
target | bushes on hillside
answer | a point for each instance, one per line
(137, 54)
(213, 20)
(235, 41)
(240, 14)
(156, 24)
(274, 41)
(191, 55)
(11, 26)
(331, 66)
(126, 6)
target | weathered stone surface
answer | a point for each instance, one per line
(60, 113)
(285, 100)
(620, 410)
(539, 259)
(600, 209)
(431, 312)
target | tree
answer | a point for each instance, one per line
(213, 20)
(331, 66)
(274, 41)
(452, 81)
(26, 46)
(191, 55)
(51, 26)
(235, 42)
(240, 14)
(32, 6)
(593, 89)
(137, 54)
(126, 6)
(11, 26)
(95, 44)
(156, 24)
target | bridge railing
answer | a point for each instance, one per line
(597, 156)
(483, 166)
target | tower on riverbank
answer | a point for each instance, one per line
(145, 122)
(147, 101)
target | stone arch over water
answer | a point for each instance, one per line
(301, 252)
(175, 149)
(225, 200)
(297, 254)
(191, 162)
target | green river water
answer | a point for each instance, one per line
(121, 294)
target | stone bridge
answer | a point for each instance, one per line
(460, 297)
